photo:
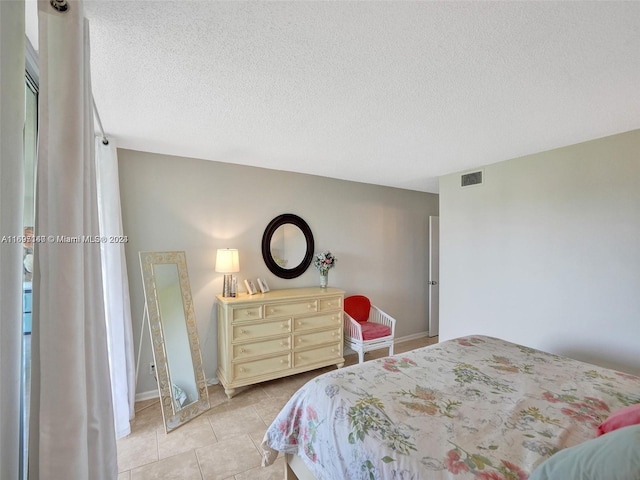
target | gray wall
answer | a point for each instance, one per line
(547, 252)
(379, 235)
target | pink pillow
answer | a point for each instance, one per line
(621, 418)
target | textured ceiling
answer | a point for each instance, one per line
(390, 93)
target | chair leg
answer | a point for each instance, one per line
(360, 356)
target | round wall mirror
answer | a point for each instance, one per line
(287, 246)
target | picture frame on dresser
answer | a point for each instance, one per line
(250, 286)
(262, 283)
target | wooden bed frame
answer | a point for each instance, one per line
(295, 469)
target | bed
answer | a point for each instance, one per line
(475, 407)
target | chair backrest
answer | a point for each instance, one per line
(358, 307)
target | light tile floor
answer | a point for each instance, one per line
(224, 442)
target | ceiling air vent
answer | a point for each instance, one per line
(473, 178)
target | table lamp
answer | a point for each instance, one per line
(227, 262)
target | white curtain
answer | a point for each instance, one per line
(71, 430)
(12, 45)
(116, 287)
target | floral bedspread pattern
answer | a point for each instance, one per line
(471, 408)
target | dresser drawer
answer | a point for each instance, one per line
(250, 312)
(261, 367)
(316, 355)
(290, 308)
(331, 303)
(251, 331)
(264, 347)
(318, 321)
(317, 338)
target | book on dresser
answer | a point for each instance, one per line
(278, 333)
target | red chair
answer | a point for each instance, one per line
(366, 327)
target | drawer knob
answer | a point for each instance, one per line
(242, 370)
(243, 332)
(334, 334)
(283, 361)
(242, 350)
(309, 306)
(283, 325)
(299, 324)
(273, 310)
(283, 344)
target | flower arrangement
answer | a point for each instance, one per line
(324, 261)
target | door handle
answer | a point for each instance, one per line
(432, 282)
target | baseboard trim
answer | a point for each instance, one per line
(411, 337)
(148, 395)
(140, 397)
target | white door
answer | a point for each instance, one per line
(434, 275)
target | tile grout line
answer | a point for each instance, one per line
(195, 452)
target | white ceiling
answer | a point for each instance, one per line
(392, 93)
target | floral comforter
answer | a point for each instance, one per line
(471, 408)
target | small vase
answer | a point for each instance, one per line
(324, 280)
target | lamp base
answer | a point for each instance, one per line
(226, 286)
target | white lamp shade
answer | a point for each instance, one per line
(227, 260)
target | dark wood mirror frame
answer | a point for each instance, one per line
(266, 246)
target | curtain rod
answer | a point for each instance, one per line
(59, 5)
(105, 141)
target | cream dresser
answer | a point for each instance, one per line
(278, 333)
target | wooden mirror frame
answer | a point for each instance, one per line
(266, 246)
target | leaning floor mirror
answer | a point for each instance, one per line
(174, 337)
